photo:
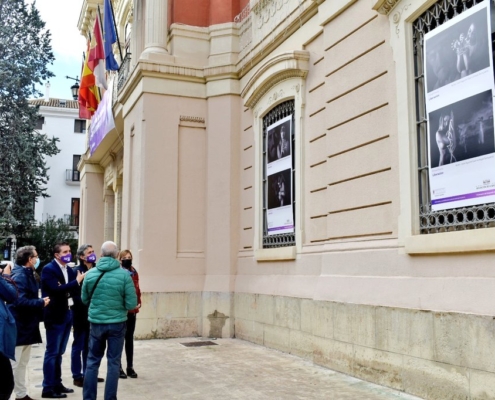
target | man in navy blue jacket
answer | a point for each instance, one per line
(58, 282)
(27, 311)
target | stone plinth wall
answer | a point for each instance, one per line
(185, 314)
(434, 355)
(169, 315)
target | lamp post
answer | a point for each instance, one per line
(75, 87)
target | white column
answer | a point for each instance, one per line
(156, 27)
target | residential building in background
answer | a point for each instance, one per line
(60, 118)
(270, 171)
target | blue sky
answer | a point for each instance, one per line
(61, 17)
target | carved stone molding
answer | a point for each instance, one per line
(187, 118)
(276, 95)
(281, 67)
(397, 17)
(385, 6)
(266, 10)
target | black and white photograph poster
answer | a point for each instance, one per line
(459, 103)
(280, 216)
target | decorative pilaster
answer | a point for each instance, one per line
(118, 213)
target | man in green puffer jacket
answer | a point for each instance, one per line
(109, 292)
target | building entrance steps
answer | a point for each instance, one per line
(230, 369)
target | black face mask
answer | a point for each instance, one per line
(127, 264)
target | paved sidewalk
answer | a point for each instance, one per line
(232, 369)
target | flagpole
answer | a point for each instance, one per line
(116, 31)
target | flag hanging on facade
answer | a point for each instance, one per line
(89, 96)
(97, 55)
(109, 36)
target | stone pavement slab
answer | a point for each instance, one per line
(232, 369)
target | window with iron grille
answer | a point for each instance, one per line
(472, 217)
(283, 111)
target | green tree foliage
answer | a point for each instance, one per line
(45, 235)
(25, 53)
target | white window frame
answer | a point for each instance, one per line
(278, 79)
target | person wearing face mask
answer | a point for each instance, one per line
(27, 310)
(79, 354)
(125, 258)
(60, 283)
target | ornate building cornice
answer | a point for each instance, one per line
(385, 6)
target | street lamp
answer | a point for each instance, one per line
(74, 88)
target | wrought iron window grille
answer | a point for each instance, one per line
(276, 114)
(456, 219)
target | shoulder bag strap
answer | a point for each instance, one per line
(94, 287)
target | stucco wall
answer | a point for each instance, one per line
(59, 123)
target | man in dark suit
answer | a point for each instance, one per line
(58, 282)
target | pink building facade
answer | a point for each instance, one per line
(197, 178)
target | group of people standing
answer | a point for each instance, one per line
(97, 301)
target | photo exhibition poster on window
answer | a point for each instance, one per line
(279, 215)
(459, 87)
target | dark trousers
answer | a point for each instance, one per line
(129, 339)
(79, 353)
(6, 378)
(57, 336)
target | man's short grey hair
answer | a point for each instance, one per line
(109, 249)
(23, 254)
(82, 249)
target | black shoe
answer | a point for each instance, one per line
(101, 380)
(62, 389)
(131, 373)
(122, 374)
(53, 395)
(79, 382)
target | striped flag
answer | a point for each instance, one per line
(89, 95)
(96, 61)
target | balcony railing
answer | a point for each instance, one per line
(71, 219)
(124, 71)
(71, 175)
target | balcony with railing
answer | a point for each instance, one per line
(71, 219)
(72, 177)
(124, 72)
